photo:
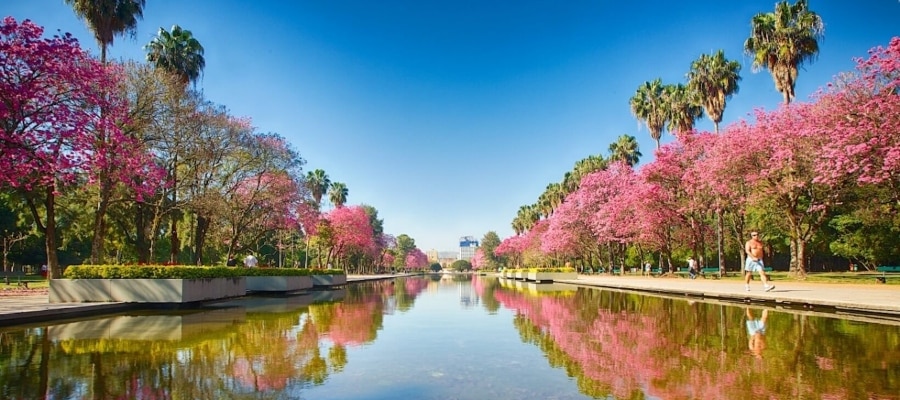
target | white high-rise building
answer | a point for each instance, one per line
(467, 247)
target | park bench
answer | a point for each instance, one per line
(683, 272)
(13, 274)
(884, 269)
(710, 271)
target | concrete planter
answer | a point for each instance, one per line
(521, 275)
(329, 280)
(551, 276)
(145, 290)
(278, 283)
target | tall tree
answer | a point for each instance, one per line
(648, 105)
(178, 52)
(49, 89)
(625, 149)
(682, 108)
(782, 40)
(109, 18)
(338, 194)
(317, 182)
(714, 79)
(106, 19)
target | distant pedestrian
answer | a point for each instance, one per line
(754, 248)
(692, 267)
(44, 271)
(250, 261)
(231, 262)
(647, 268)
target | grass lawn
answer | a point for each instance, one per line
(34, 282)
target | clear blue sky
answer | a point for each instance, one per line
(446, 116)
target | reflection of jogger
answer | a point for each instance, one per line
(756, 330)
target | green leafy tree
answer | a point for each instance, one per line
(435, 267)
(405, 244)
(782, 41)
(489, 243)
(461, 266)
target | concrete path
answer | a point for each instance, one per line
(883, 300)
(848, 298)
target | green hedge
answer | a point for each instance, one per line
(545, 269)
(182, 272)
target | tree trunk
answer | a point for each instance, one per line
(720, 240)
(50, 235)
(200, 239)
(100, 222)
(140, 236)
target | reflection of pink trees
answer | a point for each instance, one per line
(623, 352)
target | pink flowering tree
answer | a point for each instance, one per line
(351, 232)
(512, 248)
(51, 94)
(478, 260)
(416, 259)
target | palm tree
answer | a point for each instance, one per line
(106, 19)
(177, 52)
(625, 149)
(109, 18)
(180, 54)
(525, 218)
(648, 105)
(782, 40)
(317, 182)
(714, 79)
(338, 194)
(682, 110)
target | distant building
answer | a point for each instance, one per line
(432, 255)
(446, 258)
(467, 247)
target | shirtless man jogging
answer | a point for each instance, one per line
(754, 249)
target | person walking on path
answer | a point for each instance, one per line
(692, 267)
(754, 263)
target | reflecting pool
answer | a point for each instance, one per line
(455, 337)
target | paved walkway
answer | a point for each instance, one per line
(883, 300)
(849, 298)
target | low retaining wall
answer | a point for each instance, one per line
(145, 290)
(278, 283)
(329, 280)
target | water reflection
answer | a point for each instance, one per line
(253, 348)
(630, 346)
(455, 337)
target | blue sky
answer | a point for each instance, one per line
(447, 116)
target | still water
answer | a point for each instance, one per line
(455, 338)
